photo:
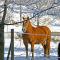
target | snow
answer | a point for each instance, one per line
(54, 28)
(19, 51)
(19, 48)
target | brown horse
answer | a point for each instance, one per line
(36, 35)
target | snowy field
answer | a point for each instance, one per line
(19, 51)
(19, 48)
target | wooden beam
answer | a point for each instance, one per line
(55, 33)
(12, 44)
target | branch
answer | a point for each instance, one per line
(1, 11)
(43, 11)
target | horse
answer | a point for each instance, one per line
(36, 35)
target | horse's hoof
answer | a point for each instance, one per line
(47, 56)
(32, 58)
(27, 58)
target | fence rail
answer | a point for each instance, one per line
(55, 33)
(52, 33)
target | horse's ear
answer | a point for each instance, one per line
(27, 18)
(23, 17)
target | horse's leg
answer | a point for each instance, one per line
(32, 50)
(49, 40)
(44, 46)
(26, 48)
(48, 47)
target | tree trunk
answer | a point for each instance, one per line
(2, 33)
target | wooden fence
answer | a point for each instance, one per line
(11, 48)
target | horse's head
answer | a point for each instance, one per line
(25, 23)
(25, 18)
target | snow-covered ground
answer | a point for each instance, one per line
(19, 51)
(19, 48)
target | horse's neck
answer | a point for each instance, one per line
(29, 28)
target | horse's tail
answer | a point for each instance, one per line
(48, 45)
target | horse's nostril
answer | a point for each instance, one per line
(22, 29)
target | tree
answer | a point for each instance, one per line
(2, 32)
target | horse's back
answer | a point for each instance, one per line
(46, 29)
(42, 29)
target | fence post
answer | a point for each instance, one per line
(59, 51)
(9, 52)
(12, 44)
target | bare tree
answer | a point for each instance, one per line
(2, 32)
